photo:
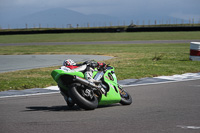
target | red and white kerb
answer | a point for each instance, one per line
(195, 51)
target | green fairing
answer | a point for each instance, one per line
(59, 72)
(113, 95)
(56, 74)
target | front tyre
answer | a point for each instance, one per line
(126, 98)
(83, 97)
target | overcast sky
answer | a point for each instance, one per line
(182, 9)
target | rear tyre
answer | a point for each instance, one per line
(83, 97)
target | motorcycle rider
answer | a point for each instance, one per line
(87, 67)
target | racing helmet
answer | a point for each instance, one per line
(68, 62)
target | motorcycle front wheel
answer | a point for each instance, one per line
(126, 98)
(83, 97)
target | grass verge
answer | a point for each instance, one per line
(132, 61)
(79, 37)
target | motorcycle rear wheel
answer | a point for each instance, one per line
(81, 98)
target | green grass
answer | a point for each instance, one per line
(79, 37)
(131, 60)
(26, 79)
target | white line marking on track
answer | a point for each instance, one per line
(174, 78)
(188, 127)
(26, 95)
(160, 82)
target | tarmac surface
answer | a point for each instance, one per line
(21, 62)
(158, 108)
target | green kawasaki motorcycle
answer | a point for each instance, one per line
(88, 95)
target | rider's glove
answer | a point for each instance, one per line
(101, 65)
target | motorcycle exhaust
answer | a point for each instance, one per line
(85, 82)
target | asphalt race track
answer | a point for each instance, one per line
(168, 108)
(22, 62)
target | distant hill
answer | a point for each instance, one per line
(60, 18)
(65, 18)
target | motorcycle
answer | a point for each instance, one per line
(89, 95)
